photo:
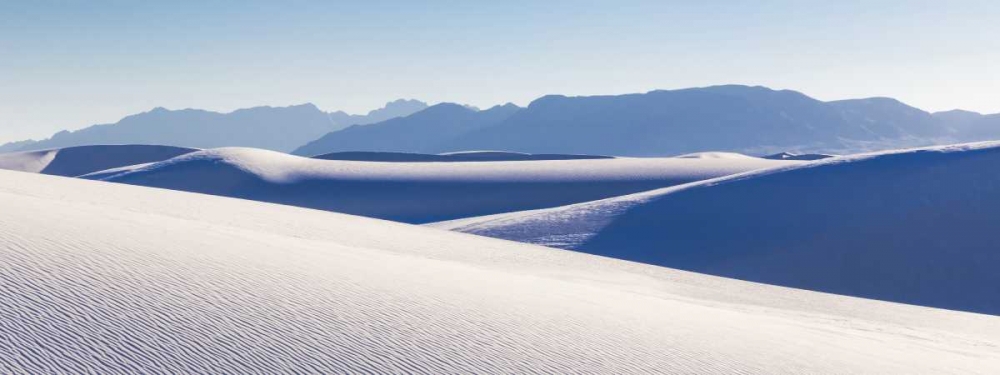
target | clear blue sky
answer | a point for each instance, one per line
(68, 64)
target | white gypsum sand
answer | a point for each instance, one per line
(110, 278)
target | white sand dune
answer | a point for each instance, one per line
(463, 156)
(108, 278)
(916, 226)
(419, 192)
(797, 156)
(80, 160)
(716, 155)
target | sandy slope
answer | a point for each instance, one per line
(420, 192)
(798, 156)
(80, 160)
(916, 226)
(463, 156)
(110, 278)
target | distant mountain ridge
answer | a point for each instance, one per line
(393, 109)
(751, 120)
(971, 126)
(421, 132)
(272, 128)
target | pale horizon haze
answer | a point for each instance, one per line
(71, 64)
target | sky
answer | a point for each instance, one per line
(70, 64)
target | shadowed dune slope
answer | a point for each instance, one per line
(916, 226)
(80, 160)
(420, 192)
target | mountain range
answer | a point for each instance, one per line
(751, 120)
(746, 119)
(418, 133)
(272, 128)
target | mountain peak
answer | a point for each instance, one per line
(403, 103)
(870, 100)
(547, 99)
(398, 106)
(957, 112)
(507, 105)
